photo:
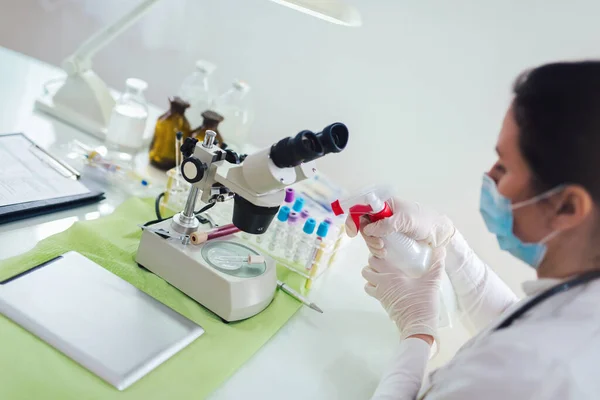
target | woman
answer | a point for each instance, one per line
(542, 201)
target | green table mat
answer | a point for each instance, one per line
(30, 369)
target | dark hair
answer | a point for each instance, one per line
(557, 110)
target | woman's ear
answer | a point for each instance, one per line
(573, 206)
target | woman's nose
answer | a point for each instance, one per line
(494, 174)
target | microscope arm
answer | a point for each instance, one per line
(257, 185)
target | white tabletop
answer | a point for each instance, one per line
(337, 355)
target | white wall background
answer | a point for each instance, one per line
(423, 85)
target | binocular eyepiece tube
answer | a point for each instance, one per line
(307, 146)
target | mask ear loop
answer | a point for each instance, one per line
(549, 237)
(537, 198)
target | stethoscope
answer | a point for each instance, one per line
(560, 288)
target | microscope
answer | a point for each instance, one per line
(257, 188)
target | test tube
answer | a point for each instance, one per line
(305, 243)
(178, 143)
(298, 204)
(250, 259)
(292, 234)
(289, 197)
(279, 226)
(304, 214)
(317, 254)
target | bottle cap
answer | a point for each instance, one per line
(309, 226)
(211, 116)
(304, 214)
(136, 84)
(241, 86)
(298, 204)
(283, 214)
(205, 66)
(178, 105)
(289, 195)
(323, 229)
(293, 217)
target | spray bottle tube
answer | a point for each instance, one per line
(413, 257)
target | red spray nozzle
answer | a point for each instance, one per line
(370, 202)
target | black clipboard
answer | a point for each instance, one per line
(19, 211)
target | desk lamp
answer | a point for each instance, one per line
(85, 101)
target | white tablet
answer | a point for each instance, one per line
(96, 318)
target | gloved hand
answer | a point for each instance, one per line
(412, 303)
(410, 219)
(482, 295)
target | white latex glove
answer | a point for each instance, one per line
(482, 295)
(412, 303)
(410, 219)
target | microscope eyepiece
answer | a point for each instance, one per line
(308, 146)
(290, 152)
(334, 137)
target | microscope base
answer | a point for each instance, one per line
(230, 297)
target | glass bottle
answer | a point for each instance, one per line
(211, 122)
(234, 106)
(197, 90)
(128, 120)
(162, 149)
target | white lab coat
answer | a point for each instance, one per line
(551, 352)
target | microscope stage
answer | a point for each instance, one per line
(231, 290)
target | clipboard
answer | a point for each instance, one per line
(69, 192)
(96, 318)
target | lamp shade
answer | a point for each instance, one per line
(329, 10)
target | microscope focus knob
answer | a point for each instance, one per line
(193, 169)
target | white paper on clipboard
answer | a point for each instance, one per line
(27, 174)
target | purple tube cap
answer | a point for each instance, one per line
(304, 214)
(289, 195)
(293, 217)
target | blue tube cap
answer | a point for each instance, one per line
(323, 229)
(298, 204)
(309, 226)
(284, 213)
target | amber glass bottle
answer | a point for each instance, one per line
(162, 148)
(211, 122)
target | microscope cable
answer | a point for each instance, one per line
(159, 217)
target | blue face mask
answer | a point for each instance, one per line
(497, 212)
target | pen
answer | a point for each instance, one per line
(61, 163)
(298, 296)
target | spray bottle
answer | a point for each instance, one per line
(414, 258)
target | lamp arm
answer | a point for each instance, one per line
(81, 59)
